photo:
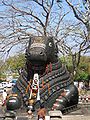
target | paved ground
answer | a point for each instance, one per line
(81, 114)
(76, 117)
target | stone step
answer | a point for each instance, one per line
(56, 114)
(76, 117)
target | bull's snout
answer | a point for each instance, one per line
(37, 52)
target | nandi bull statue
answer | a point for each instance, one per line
(44, 79)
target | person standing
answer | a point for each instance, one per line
(41, 112)
(4, 95)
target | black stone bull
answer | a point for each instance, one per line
(40, 52)
(57, 90)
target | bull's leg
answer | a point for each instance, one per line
(68, 97)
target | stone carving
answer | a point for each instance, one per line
(56, 87)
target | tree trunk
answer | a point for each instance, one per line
(88, 30)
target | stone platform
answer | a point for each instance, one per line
(83, 113)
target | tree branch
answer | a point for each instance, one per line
(75, 13)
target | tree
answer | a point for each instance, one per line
(22, 20)
(15, 63)
(11, 66)
(74, 44)
(83, 68)
(81, 10)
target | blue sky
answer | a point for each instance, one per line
(70, 17)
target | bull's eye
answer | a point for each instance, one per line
(50, 44)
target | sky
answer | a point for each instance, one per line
(69, 17)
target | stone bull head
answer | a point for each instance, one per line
(42, 50)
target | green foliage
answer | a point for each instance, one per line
(2, 76)
(15, 63)
(12, 65)
(67, 60)
(83, 70)
(81, 75)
